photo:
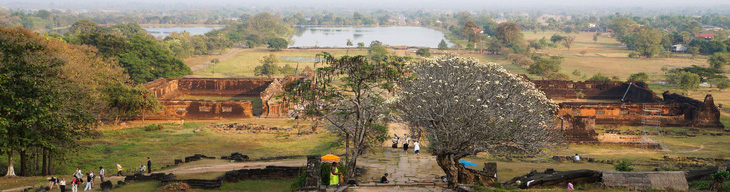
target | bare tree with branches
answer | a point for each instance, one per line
(568, 41)
(464, 107)
(354, 107)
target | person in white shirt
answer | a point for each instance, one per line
(416, 147)
(63, 185)
(576, 158)
(101, 173)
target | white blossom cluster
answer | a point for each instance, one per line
(465, 106)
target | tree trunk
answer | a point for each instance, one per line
(447, 163)
(352, 164)
(23, 163)
(11, 170)
(44, 168)
(50, 163)
(456, 173)
(347, 147)
(37, 158)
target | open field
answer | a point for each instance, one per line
(243, 63)
(129, 146)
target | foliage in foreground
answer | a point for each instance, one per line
(464, 107)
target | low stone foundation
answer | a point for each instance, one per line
(270, 172)
(665, 180)
(198, 183)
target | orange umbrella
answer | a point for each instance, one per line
(330, 158)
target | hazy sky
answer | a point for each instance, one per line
(408, 4)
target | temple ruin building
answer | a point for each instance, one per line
(623, 103)
(221, 98)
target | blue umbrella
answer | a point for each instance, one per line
(468, 164)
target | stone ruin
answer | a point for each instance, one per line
(171, 94)
(623, 103)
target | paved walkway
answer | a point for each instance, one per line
(401, 167)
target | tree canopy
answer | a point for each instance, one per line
(277, 43)
(268, 66)
(355, 108)
(442, 45)
(643, 77)
(142, 58)
(52, 94)
(464, 107)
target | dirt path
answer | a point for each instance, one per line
(234, 51)
(694, 150)
(232, 166)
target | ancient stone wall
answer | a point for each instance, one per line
(663, 180)
(169, 92)
(578, 128)
(270, 172)
(203, 109)
(625, 113)
(273, 106)
(223, 87)
(164, 88)
(701, 114)
(559, 89)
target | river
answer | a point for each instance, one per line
(393, 36)
(164, 31)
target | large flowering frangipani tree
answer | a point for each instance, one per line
(464, 107)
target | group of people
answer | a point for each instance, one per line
(78, 179)
(406, 141)
(90, 177)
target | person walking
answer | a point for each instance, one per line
(405, 143)
(384, 179)
(88, 182)
(93, 177)
(149, 165)
(101, 173)
(416, 147)
(62, 185)
(119, 169)
(75, 184)
(396, 140)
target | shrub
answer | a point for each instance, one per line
(153, 127)
(300, 180)
(424, 52)
(625, 165)
(633, 55)
(176, 186)
(721, 175)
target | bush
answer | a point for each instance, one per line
(424, 52)
(176, 186)
(600, 77)
(300, 180)
(721, 175)
(153, 127)
(633, 55)
(625, 165)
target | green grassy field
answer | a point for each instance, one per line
(243, 63)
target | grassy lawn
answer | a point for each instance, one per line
(130, 146)
(243, 63)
